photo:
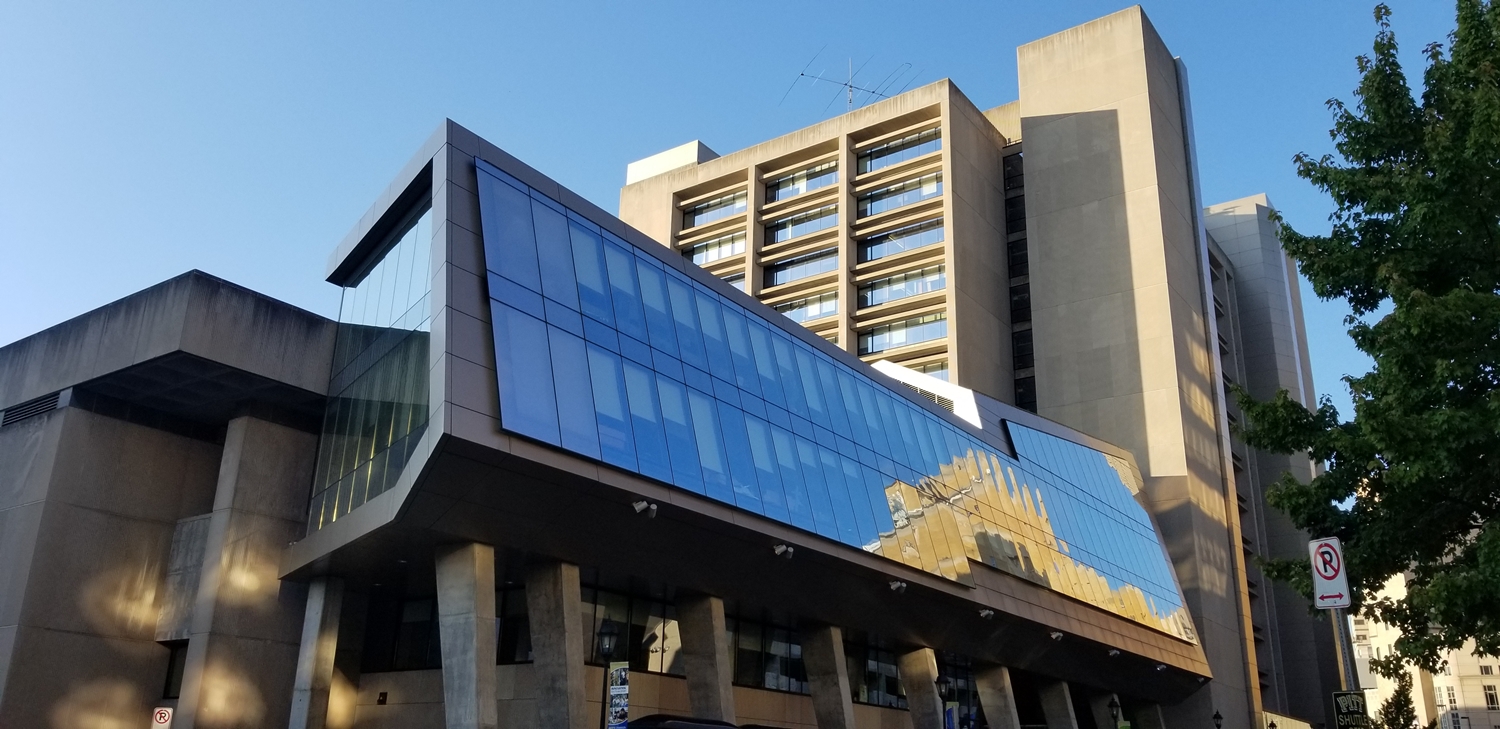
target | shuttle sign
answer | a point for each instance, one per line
(1330, 579)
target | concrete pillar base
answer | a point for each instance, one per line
(466, 630)
(320, 640)
(706, 657)
(997, 697)
(554, 607)
(919, 677)
(828, 676)
(1057, 705)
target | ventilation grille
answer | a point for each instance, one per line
(17, 413)
(942, 402)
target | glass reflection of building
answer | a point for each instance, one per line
(378, 388)
(605, 351)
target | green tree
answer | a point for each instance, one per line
(1398, 711)
(1412, 482)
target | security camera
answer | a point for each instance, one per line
(784, 550)
(898, 586)
(1055, 635)
(986, 613)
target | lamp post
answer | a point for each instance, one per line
(1114, 710)
(1218, 720)
(609, 634)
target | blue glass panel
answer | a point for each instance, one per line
(859, 500)
(515, 295)
(817, 489)
(875, 484)
(601, 334)
(838, 496)
(629, 316)
(563, 317)
(681, 443)
(593, 279)
(833, 399)
(791, 380)
(555, 253)
(763, 452)
(859, 431)
(698, 379)
(509, 241)
(808, 372)
(720, 362)
(616, 441)
(684, 313)
(765, 364)
(710, 447)
(874, 425)
(739, 348)
(798, 504)
(575, 399)
(646, 423)
(741, 460)
(658, 311)
(526, 398)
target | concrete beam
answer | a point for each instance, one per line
(706, 657)
(320, 640)
(558, 644)
(466, 631)
(1057, 705)
(997, 697)
(828, 676)
(919, 677)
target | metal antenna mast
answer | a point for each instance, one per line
(848, 85)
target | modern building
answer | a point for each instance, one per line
(1052, 253)
(536, 441)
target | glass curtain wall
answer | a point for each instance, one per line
(606, 352)
(378, 390)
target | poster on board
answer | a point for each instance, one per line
(617, 711)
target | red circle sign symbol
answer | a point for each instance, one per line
(161, 717)
(1326, 562)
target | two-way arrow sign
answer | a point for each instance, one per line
(1330, 580)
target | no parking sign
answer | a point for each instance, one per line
(161, 717)
(1330, 579)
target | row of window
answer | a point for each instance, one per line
(806, 180)
(810, 308)
(1018, 259)
(904, 333)
(903, 285)
(712, 250)
(900, 150)
(795, 226)
(900, 194)
(402, 635)
(803, 266)
(715, 209)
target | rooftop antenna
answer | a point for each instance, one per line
(847, 85)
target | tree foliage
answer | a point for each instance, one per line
(1398, 711)
(1412, 482)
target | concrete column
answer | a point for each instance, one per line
(320, 640)
(554, 606)
(828, 676)
(1099, 707)
(919, 676)
(343, 694)
(246, 626)
(997, 697)
(705, 657)
(1057, 705)
(466, 631)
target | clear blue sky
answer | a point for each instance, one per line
(140, 140)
